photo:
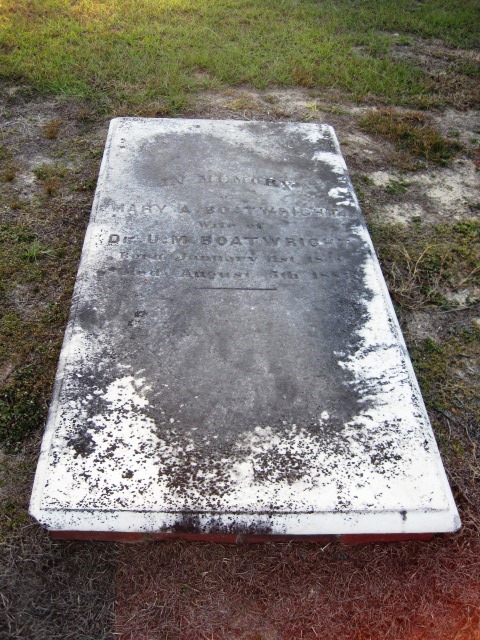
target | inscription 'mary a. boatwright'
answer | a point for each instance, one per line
(231, 211)
(232, 362)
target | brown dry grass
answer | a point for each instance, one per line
(408, 591)
(54, 591)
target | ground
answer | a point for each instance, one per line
(416, 175)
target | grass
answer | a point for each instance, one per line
(51, 129)
(150, 56)
(425, 267)
(50, 171)
(35, 251)
(448, 394)
(35, 289)
(30, 329)
(291, 591)
(410, 131)
(8, 169)
(425, 262)
(21, 408)
(397, 187)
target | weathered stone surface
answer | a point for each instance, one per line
(232, 363)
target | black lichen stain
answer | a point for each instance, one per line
(82, 443)
(201, 472)
(187, 523)
(204, 472)
(296, 457)
(90, 382)
(276, 466)
(192, 523)
(137, 317)
(87, 317)
(384, 452)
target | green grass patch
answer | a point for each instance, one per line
(36, 251)
(15, 483)
(52, 175)
(30, 329)
(13, 516)
(423, 267)
(151, 55)
(16, 242)
(21, 408)
(411, 132)
(50, 171)
(449, 387)
(40, 243)
(424, 262)
(397, 187)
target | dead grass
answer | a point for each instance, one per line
(58, 591)
(410, 131)
(411, 591)
(51, 128)
(48, 590)
(9, 173)
(426, 262)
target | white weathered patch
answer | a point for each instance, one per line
(343, 195)
(381, 372)
(333, 160)
(117, 437)
(445, 192)
(312, 133)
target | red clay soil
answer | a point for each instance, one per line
(176, 590)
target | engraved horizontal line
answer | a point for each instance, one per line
(241, 288)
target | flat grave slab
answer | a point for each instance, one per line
(232, 363)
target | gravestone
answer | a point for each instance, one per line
(232, 362)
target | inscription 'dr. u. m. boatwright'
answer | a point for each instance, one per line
(232, 363)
